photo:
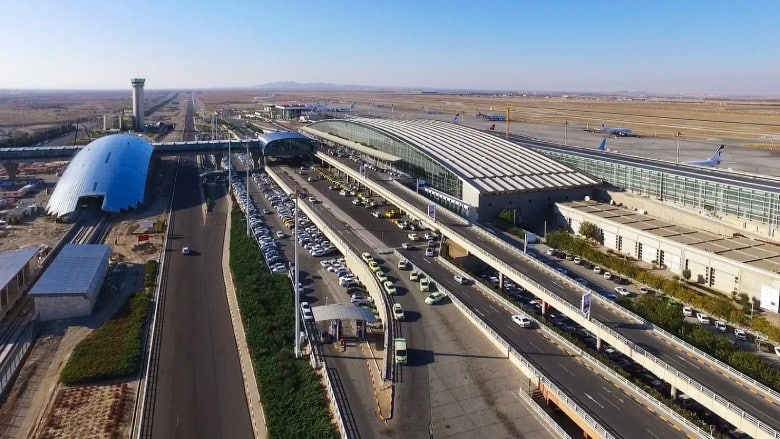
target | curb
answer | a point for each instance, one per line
(375, 387)
(247, 368)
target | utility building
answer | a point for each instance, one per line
(72, 283)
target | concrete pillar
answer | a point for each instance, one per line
(545, 308)
(598, 343)
(500, 281)
(11, 168)
(218, 159)
(256, 156)
(673, 393)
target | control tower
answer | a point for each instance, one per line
(138, 103)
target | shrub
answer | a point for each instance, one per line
(293, 398)
(114, 349)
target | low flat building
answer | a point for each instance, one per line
(725, 263)
(71, 285)
(17, 269)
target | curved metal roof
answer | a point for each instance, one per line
(341, 311)
(113, 167)
(485, 161)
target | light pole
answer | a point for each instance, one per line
(246, 210)
(295, 287)
(566, 133)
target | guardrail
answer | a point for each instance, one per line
(357, 264)
(737, 417)
(631, 314)
(511, 307)
(519, 358)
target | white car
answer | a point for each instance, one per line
(398, 311)
(312, 199)
(185, 250)
(740, 334)
(720, 325)
(577, 260)
(704, 319)
(523, 322)
(687, 311)
(406, 245)
(429, 251)
(607, 275)
(413, 236)
(597, 269)
(306, 312)
(280, 234)
(623, 291)
(463, 280)
(403, 264)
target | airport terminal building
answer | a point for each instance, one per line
(470, 172)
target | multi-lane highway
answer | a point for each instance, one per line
(196, 389)
(760, 405)
(621, 414)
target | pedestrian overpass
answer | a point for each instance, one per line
(276, 144)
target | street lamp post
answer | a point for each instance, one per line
(295, 287)
(246, 210)
(566, 133)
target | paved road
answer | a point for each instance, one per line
(624, 416)
(738, 393)
(199, 386)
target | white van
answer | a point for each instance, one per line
(400, 350)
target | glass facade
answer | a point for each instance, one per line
(413, 161)
(717, 198)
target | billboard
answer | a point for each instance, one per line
(770, 298)
(585, 304)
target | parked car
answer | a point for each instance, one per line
(740, 334)
(429, 251)
(577, 260)
(406, 246)
(607, 275)
(403, 264)
(687, 311)
(720, 325)
(597, 269)
(398, 311)
(414, 276)
(704, 319)
(425, 284)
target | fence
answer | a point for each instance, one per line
(21, 346)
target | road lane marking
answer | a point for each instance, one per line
(686, 361)
(594, 401)
(567, 370)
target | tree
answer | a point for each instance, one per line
(686, 273)
(589, 230)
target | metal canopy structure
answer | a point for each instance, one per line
(489, 164)
(373, 152)
(342, 312)
(12, 262)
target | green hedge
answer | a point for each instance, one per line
(670, 318)
(293, 398)
(114, 349)
(719, 306)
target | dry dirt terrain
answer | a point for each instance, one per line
(751, 122)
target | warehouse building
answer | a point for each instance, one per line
(17, 270)
(470, 172)
(71, 285)
(725, 263)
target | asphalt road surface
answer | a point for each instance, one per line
(199, 386)
(738, 393)
(619, 413)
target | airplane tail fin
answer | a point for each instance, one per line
(718, 156)
(603, 144)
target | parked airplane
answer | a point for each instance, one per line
(617, 132)
(493, 117)
(715, 160)
(712, 161)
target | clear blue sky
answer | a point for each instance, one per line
(719, 47)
